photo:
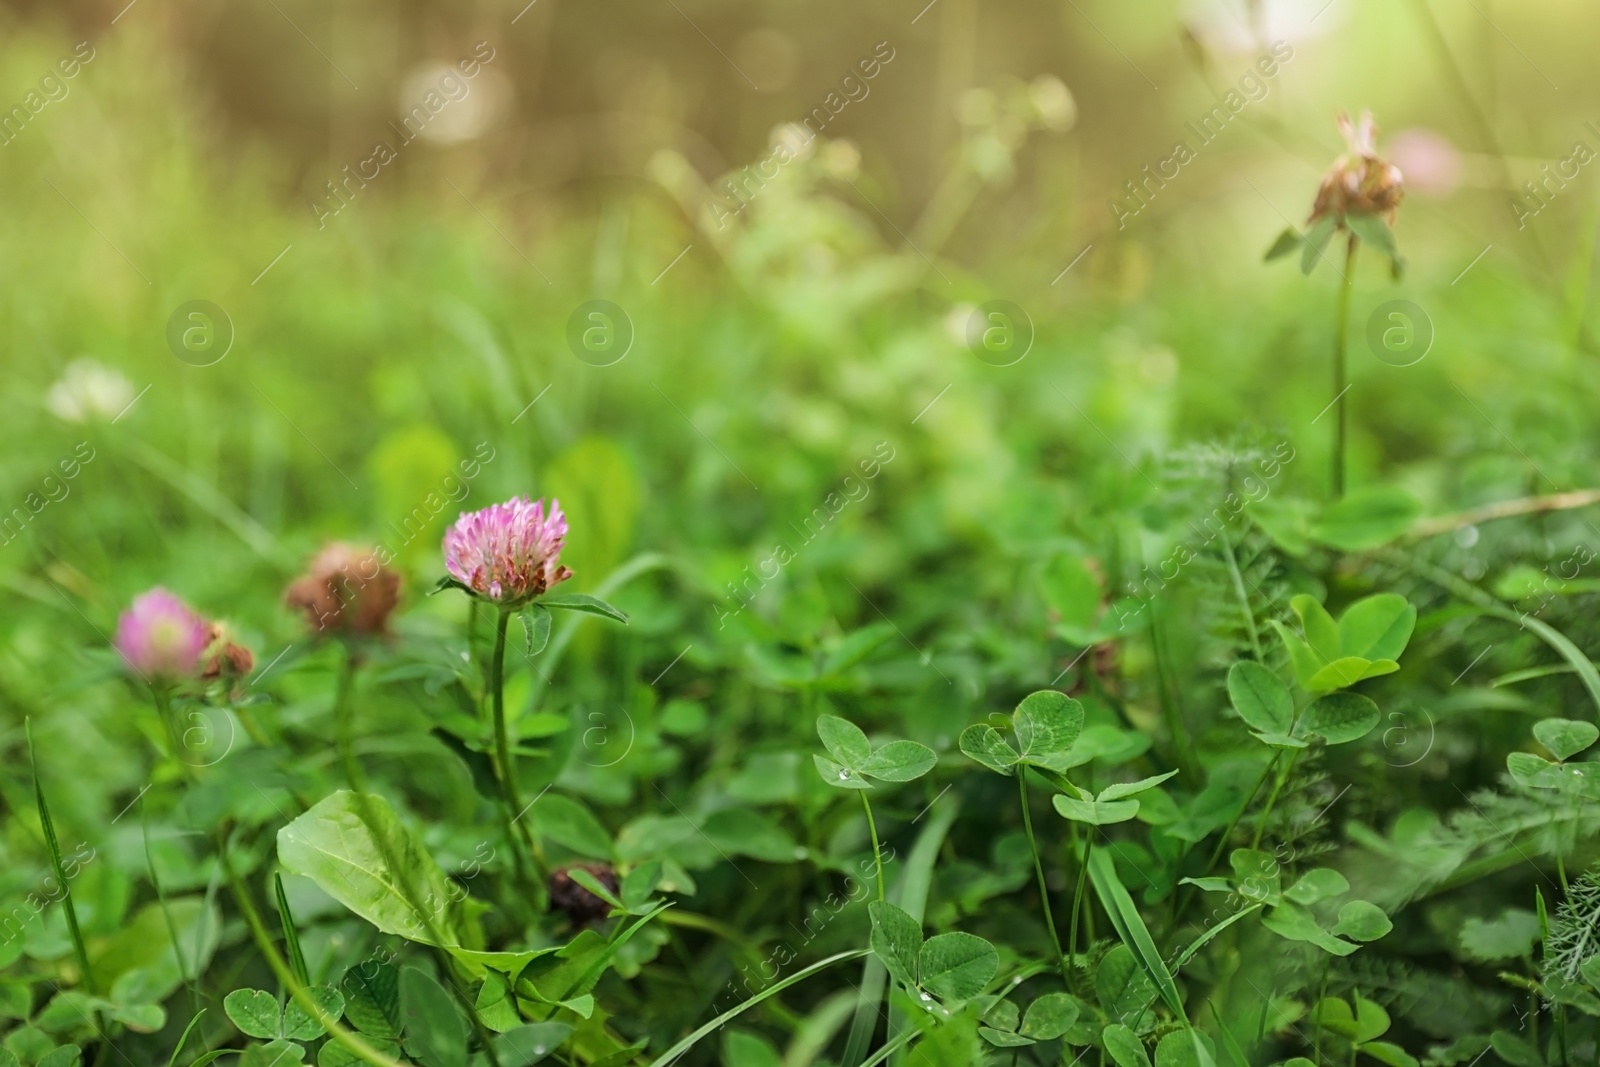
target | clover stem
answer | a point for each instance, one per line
(1341, 330)
(1227, 834)
(505, 767)
(1077, 899)
(877, 851)
(343, 713)
(1272, 797)
(1038, 870)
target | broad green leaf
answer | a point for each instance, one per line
(1565, 737)
(1279, 740)
(1260, 698)
(1302, 657)
(1510, 935)
(838, 775)
(1072, 590)
(897, 940)
(742, 831)
(582, 602)
(496, 1004)
(372, 999)
(298, 1024)
(1371, 1020)
(1185, 1048)
(1004, 1015)
(1515, 1051)
(1095, 812)
(1317, 626)
(1287, 241)
(272, 1054)
(957, 966)
(531, 1043)
(1314, 241)
(66, 1056)
(1377, 627)
(435, 1032)
(1367, 518)
(1003, 1038)
(639, 885)
(844, 741)
(1319, 883)
(983, 743)
(1210, 885)
(855, 648)
(588, 881)
(1128, 789)
(570, 824)
(1293, 922)
(379, 870)
(1050, 1016)
(1123, 1047)
(1386, 1052)
(1339, 718)
(254, 1011)
(1256, 875)
(1047, 724)
(536, 627)
(900, 761)
(1342, 672)
(740, 1049)
(1124, 990)
(1373, 230)
(1360, 920)
(1535, 772)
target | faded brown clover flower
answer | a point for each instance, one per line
(1359, 194)
(346, 590)
(1359, 182)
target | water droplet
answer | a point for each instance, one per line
(844, 776)
(538, 1050)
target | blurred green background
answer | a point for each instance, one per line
(375, 349)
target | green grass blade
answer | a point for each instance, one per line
(166, 915)
(1200, 942)
(291, 938)
(672, 1054)
(184, 1040)
(49, 827)
(1131, 928)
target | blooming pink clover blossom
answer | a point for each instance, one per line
(508, 553)
(160, 636)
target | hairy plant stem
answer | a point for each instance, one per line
(1038, 870)
(1341, 330)
(877, 850)
(505, 766)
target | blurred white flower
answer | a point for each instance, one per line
(88, 390)
(955, 323)
(1053, 101)
(796, 138)
(842, 159)
(441, 105)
